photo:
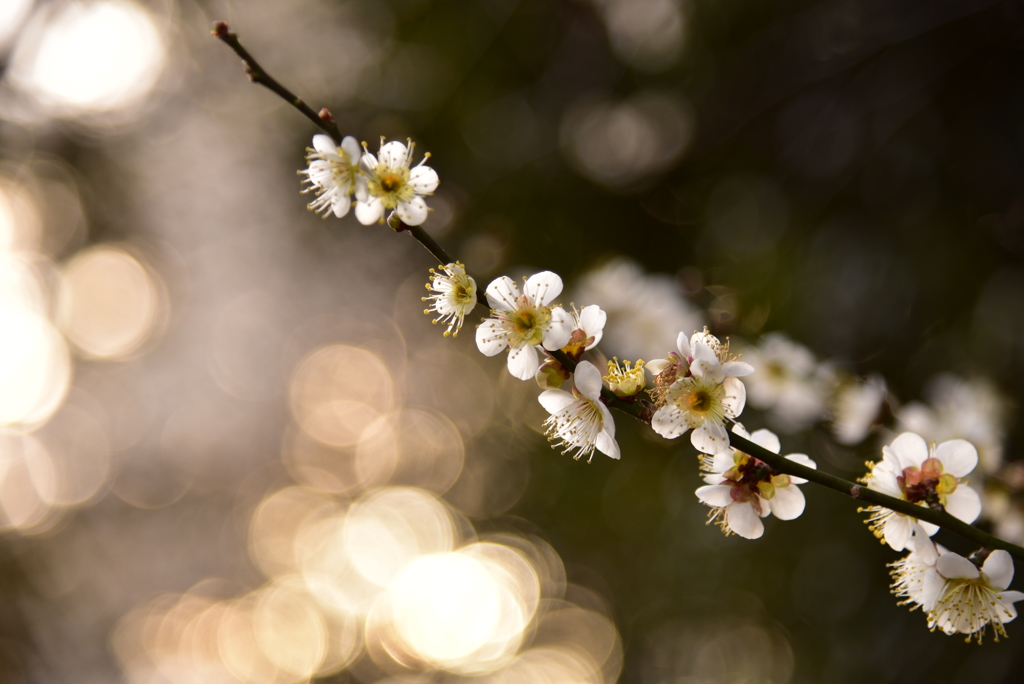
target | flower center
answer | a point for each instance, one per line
(700, 400)
(526, 325)
(928, 483)
(390, 182)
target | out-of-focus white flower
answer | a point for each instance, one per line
(392, 184)
(856, 407)
(645, 311)
(968, 599)
(333, 174)
(1000, 505)
(579, 421)
(787, 384)
(521, 321)
(705, 393)
(911, 471)
(742, 489)
(454, 296)
(959, 408)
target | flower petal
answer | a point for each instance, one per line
(350, 147)
(683, 344)
(964, 503)
(958, 457)
(657, 366)
(737, 369)
(788, 502)
(490, 338)
(931, 589)
(709, 438)
(559, 329)
(414, 212)
(766, 438)
(954, 566)
(897, 530)
(909, 449)
(804, 460)
(592, 320)
(555, 400)
(502, 294)
(744, 521)
(669, 422)
(423, 180)
(607, 445)
(368, 162)
(999, 569)
(370, 211)
(542, 288)
(715, 495)
(606, 419)
(706, 363)
(588, 380)
(341, 204)
(394, 154)
(324, 144)
(523, 362)
(735, 397)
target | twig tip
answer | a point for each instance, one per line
(220, 29)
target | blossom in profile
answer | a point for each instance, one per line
(971, 598)
(579, 421)
(914, 576)
(333, 175)
(453, 296)
(391, 183)
(701, 392)
(587, 330)
(789, 383)
(742, 489)
(522, 320)
(927, 476)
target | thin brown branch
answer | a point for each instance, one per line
(257, 74)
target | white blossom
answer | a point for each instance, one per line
(969, 598)
(454, 296)
(333, 175)
(912, 471)
(392, 184)
(580, 421)
(521, 321)
(742, 489)
(705, 392)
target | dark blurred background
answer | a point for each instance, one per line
(191, 358)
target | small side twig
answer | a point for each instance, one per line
(257, 74)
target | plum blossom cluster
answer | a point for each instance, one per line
(697, 389)
(379, 183)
